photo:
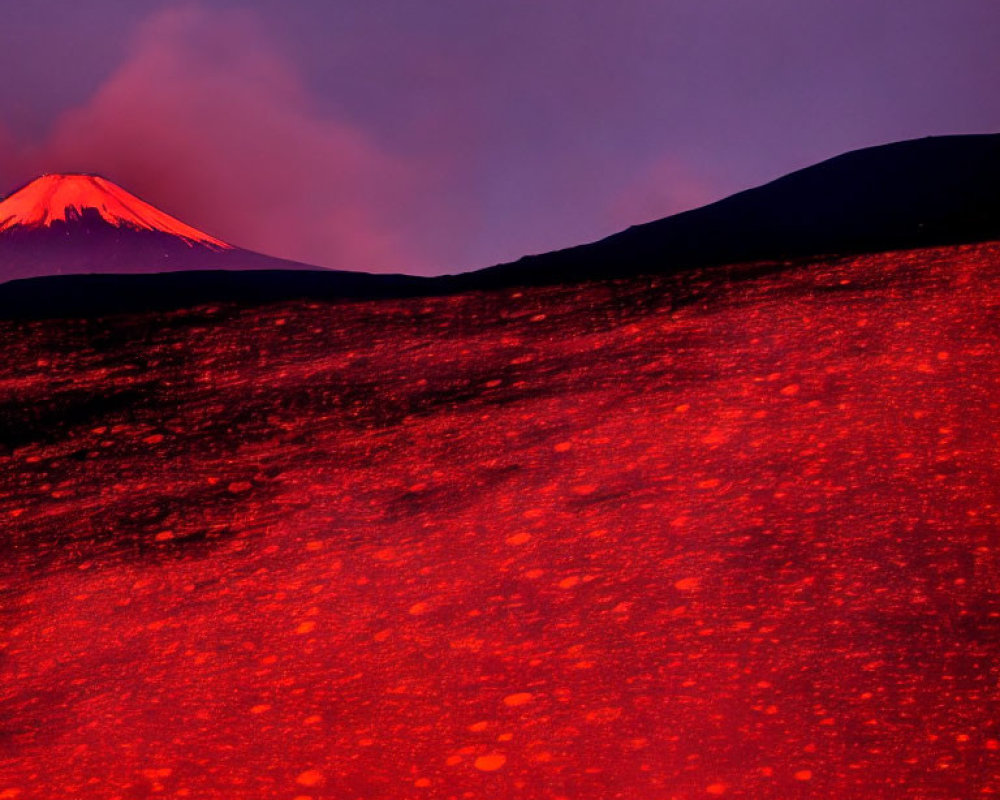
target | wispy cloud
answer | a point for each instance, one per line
(206, 119)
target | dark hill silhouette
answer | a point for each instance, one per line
(920, 193)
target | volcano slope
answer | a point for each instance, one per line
(610, 540)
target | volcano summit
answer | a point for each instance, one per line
(53, 199)
(76, 223)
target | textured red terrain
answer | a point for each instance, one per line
(575, 542)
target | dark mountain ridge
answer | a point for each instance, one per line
(906, 195)
(927, 192)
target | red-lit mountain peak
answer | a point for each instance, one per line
(66, 197)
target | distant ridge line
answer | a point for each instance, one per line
(932, 192)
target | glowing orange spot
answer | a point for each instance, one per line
(505, 737)
(422, 783)
(716, 788)
(584, 489)
(366, 742)
(382, 635)
(517, 699)
(305, 627)
(315, 544)
(418, 608)
(311, 777)
(534, 573)
(156, 438)
(687, 584)
(518, 538)
(453, 760)
(683, 408)
(385, 554)
(791, 389)
(714, 436)
(164, 536)
(803, 775)
(479, 726)
(710, 483)
(562, 447)
(490, 763)
(314, 719)
(238, 487)
(992, 744)
(604, 715)
(570, 582)
(260, 709)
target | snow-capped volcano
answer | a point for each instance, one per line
(67, 198)
(61, 224)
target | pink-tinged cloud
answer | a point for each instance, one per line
(208, 121)
(667, 186)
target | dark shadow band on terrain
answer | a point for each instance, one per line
(56, 296)
(91, 296)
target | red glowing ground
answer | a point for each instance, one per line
(570, 543)
(61, 197)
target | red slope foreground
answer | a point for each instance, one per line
(567, 543)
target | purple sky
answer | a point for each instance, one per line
(440, 136)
